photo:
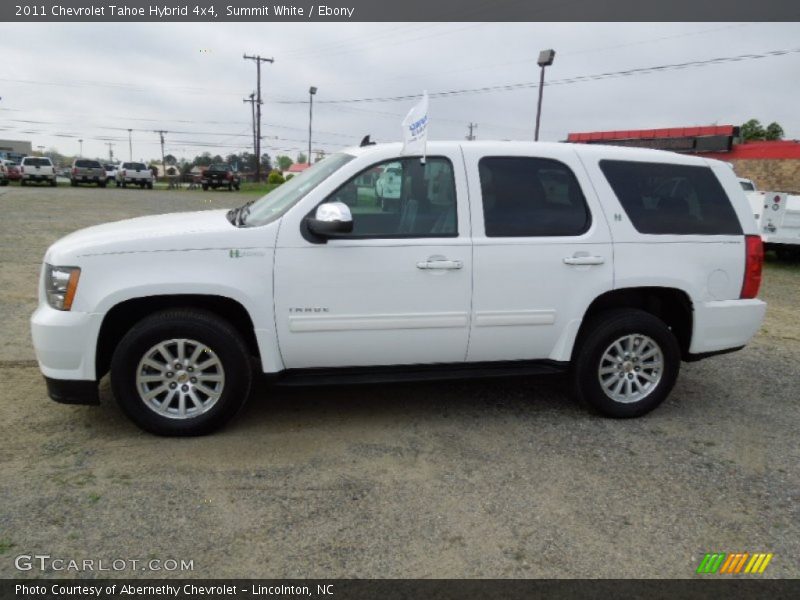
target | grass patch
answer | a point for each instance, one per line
(259, 189)
(6, 545)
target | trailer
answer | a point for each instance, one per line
(778, 217)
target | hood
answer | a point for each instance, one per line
(177, 231)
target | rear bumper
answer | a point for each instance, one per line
(725, 325)
(68, 391)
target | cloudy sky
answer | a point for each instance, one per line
(64, 82)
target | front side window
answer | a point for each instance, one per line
(531, 197)
(663, 198)
(402, 198)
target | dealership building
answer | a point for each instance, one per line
(15, 149)
(772, 165)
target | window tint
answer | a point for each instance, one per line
(526, 197)
(402, 198)
(747, 186)
(88, 164)
(662, 198)
(36, 162)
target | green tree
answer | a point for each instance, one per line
(169, 159)
(284, 162)
(275, 177)
(301, 158)
(203, 160)
(752, 130)
(774, 132)
(266, 162)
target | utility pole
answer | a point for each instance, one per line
(110, 151)
(252, 100)
(81, 143)
(471, 134)
(163, 166)
(258, 60)
(130, 145)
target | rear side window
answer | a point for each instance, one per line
(663, 198)
(531, 197)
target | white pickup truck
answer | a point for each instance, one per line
(37, 169)
(134, 173)
(777, 216)
(499, 258)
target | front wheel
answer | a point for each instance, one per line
(181, 372)
(627, 363)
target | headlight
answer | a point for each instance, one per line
(60, 285)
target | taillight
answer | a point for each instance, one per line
(124, 172)
(74, 170)
(228, 175)
(753, 261)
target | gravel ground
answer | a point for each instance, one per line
(500, 479)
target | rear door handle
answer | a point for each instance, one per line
(440, 264)
(584, 260)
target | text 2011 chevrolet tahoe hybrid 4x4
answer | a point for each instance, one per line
(499, 258)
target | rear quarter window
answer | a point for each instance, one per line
(663, 198)
(88, 164)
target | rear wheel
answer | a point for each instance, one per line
(149, 185)
(627, 363)
(22, 182)
(101, 184)
(181, 372)
(205, 187)
(53, 183)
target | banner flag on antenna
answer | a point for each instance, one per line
(415, 128)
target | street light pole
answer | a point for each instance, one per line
(545, 60)
(311, 91)
(81, 143)
(130, 145)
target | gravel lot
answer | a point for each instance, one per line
(499, 479)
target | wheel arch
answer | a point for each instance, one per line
(672, 305)
(124, 315)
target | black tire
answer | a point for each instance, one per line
(22, 182)
(102, 184)
(118, 184)
(230, 187)
(205, 187)
(150, 185)
(209, 330)
(236, 187)
(599, 336)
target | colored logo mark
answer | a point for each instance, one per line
(734, 563)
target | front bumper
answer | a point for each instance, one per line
(68, 391)
(65, 343)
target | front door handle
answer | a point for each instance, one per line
(440, 264)
(584, 260)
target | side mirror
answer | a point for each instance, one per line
(331, 219)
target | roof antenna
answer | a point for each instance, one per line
(366, 142)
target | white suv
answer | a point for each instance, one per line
(499, 259)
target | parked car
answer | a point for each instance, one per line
(3, 176)
(388, 185)
(111, 172)
(85, 170)
(12, 170)
(37, 169)
(219, 175)
(135, 173)
(500, 259)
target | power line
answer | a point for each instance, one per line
(566, 81)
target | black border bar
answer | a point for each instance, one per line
(73, 11)
(705, 587)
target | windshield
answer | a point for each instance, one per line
(278, 201)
